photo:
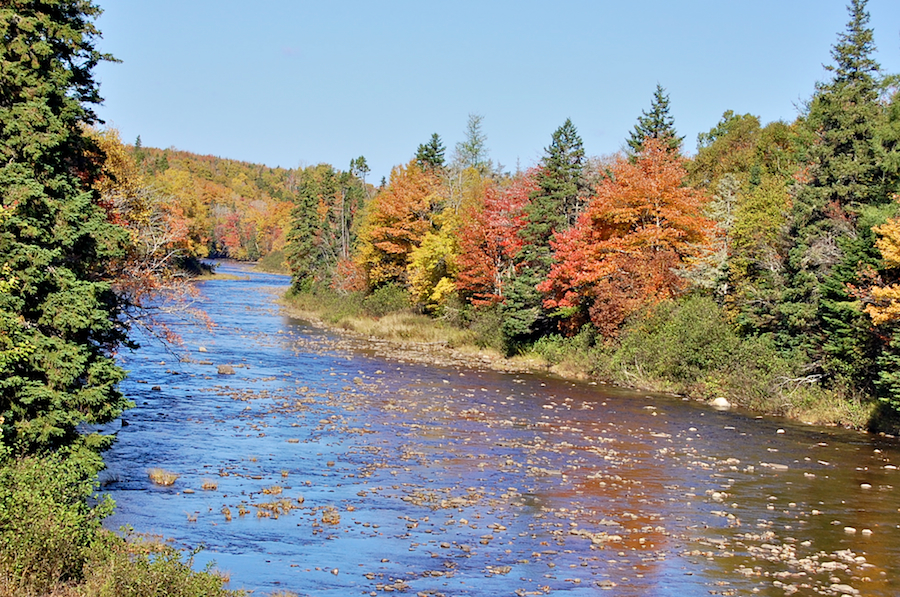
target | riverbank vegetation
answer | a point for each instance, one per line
(786, 232)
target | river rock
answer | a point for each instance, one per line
(226, 370)
(720, 402)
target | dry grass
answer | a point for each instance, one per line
(826, 408)
(273, 490)
(218, 277)
(405, 327)
(162, 476)
(209, 485)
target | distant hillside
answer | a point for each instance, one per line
(231, 209)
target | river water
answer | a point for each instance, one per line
(331, 470)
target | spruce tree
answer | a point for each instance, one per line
(60, 315)
(656, 123)
(430, 156)
(552, 208)
(834, 211)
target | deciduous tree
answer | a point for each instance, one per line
(641, 225)
(395, 222)
(490, 240)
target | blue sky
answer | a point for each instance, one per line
(291, 82)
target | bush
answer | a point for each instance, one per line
(274, 263)
(52, 542)
(681, 341)
(118, 572)
(486, 329)
(688, 346)
(48, 522)
(390, 298)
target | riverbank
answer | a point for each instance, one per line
(683, 351)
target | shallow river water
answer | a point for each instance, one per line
(331, 470)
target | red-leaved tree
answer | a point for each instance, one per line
(622, 254)
(489, 241)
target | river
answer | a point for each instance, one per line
(322, 468)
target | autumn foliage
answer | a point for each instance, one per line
(623, 252)
(395, 223)
(490, 240)
(884, 307)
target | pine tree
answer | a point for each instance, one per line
(552, 208)
(430, 156)
(60, 315)
(657, 124)
(834, 211)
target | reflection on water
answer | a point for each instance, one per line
(443, 481)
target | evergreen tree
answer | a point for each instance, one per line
(60, 315)
(552, 207)
(430, 156)
(657, 123)
(324, 221)
(833, 241)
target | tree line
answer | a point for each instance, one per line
(789, 228)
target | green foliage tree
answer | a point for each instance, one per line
(729, 148)
(552, 207)
(56, 240)
(324, 221)
(656, 124)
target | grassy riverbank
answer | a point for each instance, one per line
(685, 347)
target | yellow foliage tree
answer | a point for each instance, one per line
(395, 223)
(886, 305)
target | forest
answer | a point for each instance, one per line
(764, 267)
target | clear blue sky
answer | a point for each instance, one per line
(292, 82)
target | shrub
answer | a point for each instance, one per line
(390, 298)
(681, 341)
(48, 522)
(116, 570)
(275, 263)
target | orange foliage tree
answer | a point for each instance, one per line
(489, 240)
(395, 222)
(622, 254)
